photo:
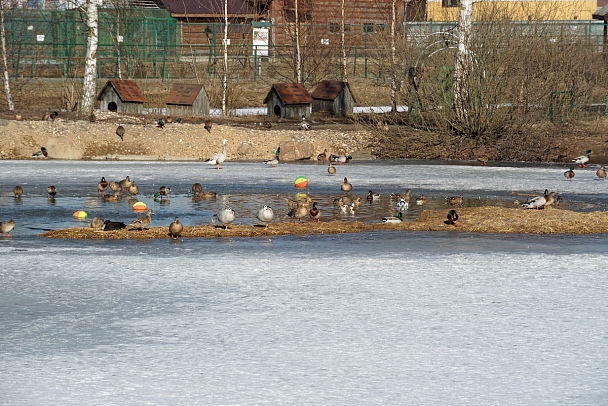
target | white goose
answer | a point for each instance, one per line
(218, 158)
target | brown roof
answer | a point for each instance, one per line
(329, 90)
(208, 8)
(290, 93)
(127, 90)
(183, 94)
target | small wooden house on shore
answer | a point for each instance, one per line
(334, 97)
(187, 100)
(288, 100)
(121, 96)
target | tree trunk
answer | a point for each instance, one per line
(462, 64)
(393, 56)
(7, 84)
(297, 41)
(225, 79)
(89, 85)
(343, 44)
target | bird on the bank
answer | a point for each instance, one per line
(109, 225)
(50, 116)
(601, 173)
(314, 212)
(298, 213)
(582, 160)
(537, 202)
(6, 227)
(455, 200)
(163, 193)
(141, 222)
(272, 162)
(346, 186)
(331, 170)
(322, 157)
(125, 183)
(452, 218)
(102, 185)
(371, 196)
(176, 228)
(402, 205)
(421, 200)
(304, 125)
(197, 189)
(265, 215)
(120, 131)
(169, 120)
(483, 161)
(133, 189)
(17, 191)
(160, 123)
(42, 154)
(549, 199)
(340, 159)
(569, 174)
(220, 157)
(97, 223)
(51, 191)
(393, 219)
(226, 216)
(208, 125)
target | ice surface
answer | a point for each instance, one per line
(384, 318)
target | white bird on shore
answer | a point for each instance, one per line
(226, 216)
(272, 162)
(220, 157)
(304, 125)
(537, 202)
(265, 215)
(582, 160)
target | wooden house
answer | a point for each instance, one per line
(288, 100)
(187, 100)
(334, 97)
(121, 96)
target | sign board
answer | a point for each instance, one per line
(260, 41)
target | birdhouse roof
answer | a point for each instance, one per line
(127, 90)
(330, 89)
(183, 94)
(290, 93)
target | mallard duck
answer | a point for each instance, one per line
(338, 201)
(304, 125)
(97, 223)
(42, 154)
(356, 201)
(582, 160)
(346, 187)
(115, 186)
(163, 193)
(51, 191)
(114, 197)
(314, 212)
(125, 183)
(483, 161)
(17, 191)
(455, 199)
(331, 170)
(169, 120)
(208, 125)
(601, 173)
(6, 227)
(537, 202)
(102, 185)
(226, 216)
(340, 159)
(160, 123)
(120, 131)
(348, 209)
(393, 219)
(452, 218)
(272, 162)
(402, 205)
(109, 225)
(197, 189)
(322, 157)
(219, 158)
(133, 189)
(371, 196)
(141, 222)
(176, 228)
(406, 196)
(549, 199)
(265, 215)
(569, 174)
(299, 201)
(421, 200)
(298, 213)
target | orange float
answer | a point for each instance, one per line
(139, 206)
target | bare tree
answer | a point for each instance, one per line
(225, 78)
(5, 76)
(393, 56)
(89, 85)
(298, 55)
(462, 65)
(343, 43)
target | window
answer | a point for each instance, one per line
(334, 27)
(450, 3)
(368, 27)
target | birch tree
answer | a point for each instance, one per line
(297, 43)
(89, 85)
(5, 76)
(225, 78)
(343, 43)
(462, 64)
(393, 56)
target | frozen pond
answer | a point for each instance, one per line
(383, 318)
